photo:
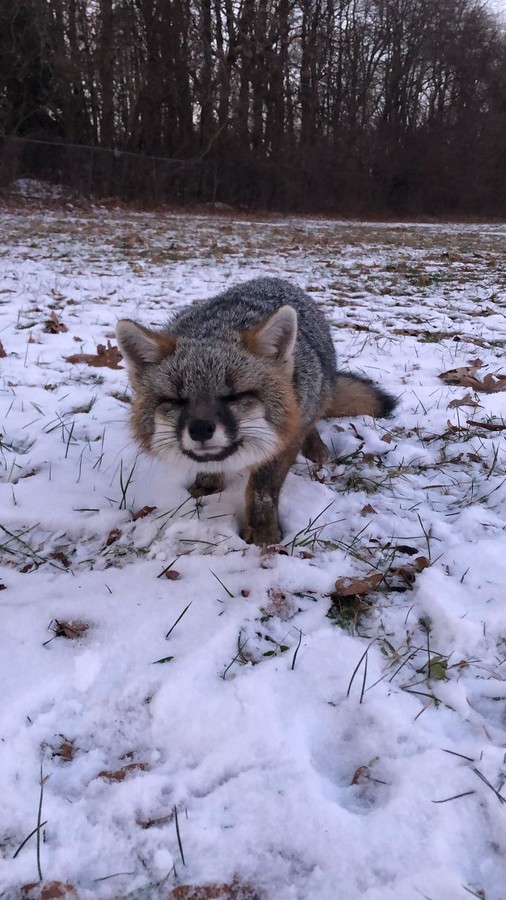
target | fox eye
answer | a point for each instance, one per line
(241, 395)
(171, 402)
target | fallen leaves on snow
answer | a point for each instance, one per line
(53, 325)
(233, 891)
(143, 512)
(48, 890)
(70, 630)
(466, 376)
(105, 356)
(121, 774)
(354, 587)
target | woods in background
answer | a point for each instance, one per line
(356, 106)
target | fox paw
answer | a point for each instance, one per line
(314, 449)
(261, 535)
(206, 483)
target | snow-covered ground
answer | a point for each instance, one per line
(200, 711)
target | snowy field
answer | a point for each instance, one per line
(324, 720)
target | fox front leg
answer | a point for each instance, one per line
(261, 521)
(314, 449)
(206, 483)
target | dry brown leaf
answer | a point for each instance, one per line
(488, 311)
(157, 822)
(49, 890)
(233, 891)
(28, 474)
(245, 592)
(53, 325)
(3, 353)
(142, 513)
(66, 750)
(465, 376)
(460, 375)
(273, 550)
(172, 575)
(387, 438)
(61, 557)
(468, 339)
(121, 774)
(466, 400)
(352, 587)
(489, 426)
(113, 536)
(408, 572)
(412, 332)
(454, 460)
(494, 383)
(105, 356)
(368, 510)
(70, 630)
(361, 774)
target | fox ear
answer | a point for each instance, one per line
(141, 346)
(275, 338)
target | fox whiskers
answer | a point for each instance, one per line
(258, 435)
(165, 443)
(258, 443)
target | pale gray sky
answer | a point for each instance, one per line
(499, 6)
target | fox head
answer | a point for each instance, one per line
(218, 404)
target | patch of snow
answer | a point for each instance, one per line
(35, 189)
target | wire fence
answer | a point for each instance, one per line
(240, 180)
(100, 172)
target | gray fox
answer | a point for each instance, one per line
(239, 382)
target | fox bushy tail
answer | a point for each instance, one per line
(357, 396)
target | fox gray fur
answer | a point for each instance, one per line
(239, 382)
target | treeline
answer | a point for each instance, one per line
(333, 105)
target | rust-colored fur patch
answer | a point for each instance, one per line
(354, 398)
(166, 342)
(289, 429)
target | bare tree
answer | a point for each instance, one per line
(350, 105)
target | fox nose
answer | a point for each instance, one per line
(201, 429)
